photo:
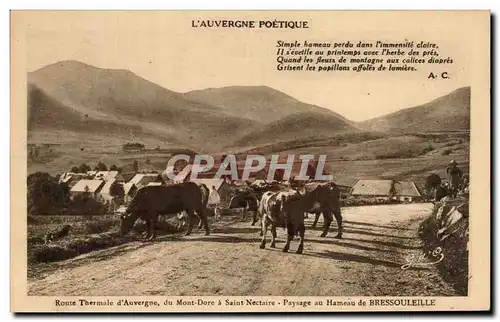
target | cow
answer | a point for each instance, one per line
(271, 213)
(293, 208)
(324, 199)
(182, 217)
(57, 234)
(151, 201)
(249, 202)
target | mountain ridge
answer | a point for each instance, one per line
(80, 98)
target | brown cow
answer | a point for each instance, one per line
(152, 201)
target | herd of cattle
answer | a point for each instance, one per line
(287, 208)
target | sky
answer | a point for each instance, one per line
(164, 48)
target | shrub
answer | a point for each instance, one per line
(45, 195)
(447, 152)
(82, 205)
(83, 168)
(50, 253)
(100, 226)
(454, 266)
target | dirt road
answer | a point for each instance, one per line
(367, 261)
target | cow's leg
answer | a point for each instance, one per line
(338, 217)
(190, 218)
(254, 217)
(200, 223)
(328, 218)
(263, 231)
(151, 229)
(273, 232)
(203, 220)
(316, 218)
(244, 213)
(302, 230)
(290, 230)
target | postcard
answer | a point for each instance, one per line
(250, 161)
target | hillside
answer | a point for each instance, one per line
(46, 115)
(120, 99)
(450, 112)
(258, 103)
(297, 126)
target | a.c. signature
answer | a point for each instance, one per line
(413, 260)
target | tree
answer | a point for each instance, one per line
(135, 165)
(117, 192)
(45, 195)
(83, 168)
(101, 166)
(74, 169)
(113, 168)
(86, 193)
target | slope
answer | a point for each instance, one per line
(297, 126)
(259, 103)
(121, 97)
(450, 112)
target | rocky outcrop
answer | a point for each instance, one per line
(447, 231)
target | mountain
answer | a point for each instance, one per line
(77, 97)
(450, 112)
(46, 114)
(257, 103)
(297, 126)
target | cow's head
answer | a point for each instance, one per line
(127, 222)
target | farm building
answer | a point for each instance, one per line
(91, 173)
(142, 179)
(104, 194)
(384, 190)
(91, 186)
(130, 190)
(108, 175)
(381, 190)
(406, 191)
(71, 178)
(221, 186)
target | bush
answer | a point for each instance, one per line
(100, 226)
(82, 205)
(447, 152)
(45, 195)
(454, 266)
(50, 253)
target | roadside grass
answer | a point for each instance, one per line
(87, 233)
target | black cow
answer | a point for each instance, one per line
(324, 198)
(152, 201)
(249, 202)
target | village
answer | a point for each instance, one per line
(117, 188)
